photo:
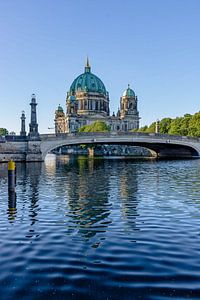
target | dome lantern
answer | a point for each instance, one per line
(60, 109)
(128, 92)
(87, 66)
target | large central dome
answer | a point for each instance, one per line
(87, 82)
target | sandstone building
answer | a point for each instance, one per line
(88, 101)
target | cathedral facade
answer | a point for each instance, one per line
(87, 101)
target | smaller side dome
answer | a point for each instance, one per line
(60, 109)
(128, 92)
(59, 112)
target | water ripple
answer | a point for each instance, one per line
(101, 229)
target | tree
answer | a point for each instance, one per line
(175, 127)
(185, 124)
(97, 126)
(194, 125)
(141, 129)
(3, 131)
(151, 128)
(188, 125)
(165, 125)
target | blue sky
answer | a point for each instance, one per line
(153, 45)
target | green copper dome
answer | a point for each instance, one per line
(60, 109)
(128, 92)
(88, 82)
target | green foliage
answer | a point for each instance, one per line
(165, 125)
(188, 125)
(194, 126)
(151, 128)
(97, 126)
(142, 129)
(3, 131)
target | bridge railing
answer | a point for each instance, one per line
(14, 138)
(167, 137)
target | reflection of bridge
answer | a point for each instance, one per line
(160, 145)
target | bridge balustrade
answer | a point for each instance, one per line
(167, 137)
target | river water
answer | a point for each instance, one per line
(82, 228)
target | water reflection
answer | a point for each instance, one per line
(12, 211)
(89, 191)
(28, 179)
(88, 204)
(128, 187)
(33, 172)
(76, 205)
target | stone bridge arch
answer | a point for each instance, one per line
(164, 146)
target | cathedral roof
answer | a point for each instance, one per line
(128, 92)
(87, 82)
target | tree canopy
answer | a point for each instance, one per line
(188, 125)
(97, 126)
(3, 131)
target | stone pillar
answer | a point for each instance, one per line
(33, 126)
(23, 126)
(34, 151)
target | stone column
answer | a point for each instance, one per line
(33, 126)
(23, 126)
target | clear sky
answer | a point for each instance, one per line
(152, 44)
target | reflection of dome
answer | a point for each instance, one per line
(128, 92)
(88, 82)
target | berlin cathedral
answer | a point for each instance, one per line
(88, 101)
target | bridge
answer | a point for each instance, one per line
(36, 149)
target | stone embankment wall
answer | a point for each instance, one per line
(20, 151)
(122, 150)
(107, 150)
(13, 150)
